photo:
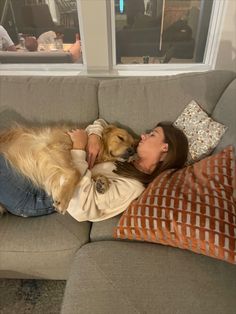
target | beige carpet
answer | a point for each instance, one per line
(31, 296)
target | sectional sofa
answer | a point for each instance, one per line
(105, 275)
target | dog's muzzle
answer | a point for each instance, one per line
(128, 153)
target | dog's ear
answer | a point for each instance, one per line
(108, 129)
(136, 141)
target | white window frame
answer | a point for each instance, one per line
(209, 60)
(105, 49)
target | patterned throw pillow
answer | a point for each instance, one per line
(192, 208)
(203, 132)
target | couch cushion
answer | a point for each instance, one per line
(142, 102)
(41, 247)
(119, 277)
(104, 230)
(47, 99)
(225, 112)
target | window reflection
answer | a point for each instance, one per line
(161, 31)
(48, 26)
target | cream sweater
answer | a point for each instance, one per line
(87, 203)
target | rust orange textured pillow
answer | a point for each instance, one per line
(192, 208)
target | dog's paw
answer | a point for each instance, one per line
(60, 206)
(101, 184)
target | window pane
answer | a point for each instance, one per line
(43, 31)
(161, 31)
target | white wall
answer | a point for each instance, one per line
(226, 58)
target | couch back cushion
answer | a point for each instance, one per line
(46, 99)
(142, 102)
(225, 112)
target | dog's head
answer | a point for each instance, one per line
(118, 143)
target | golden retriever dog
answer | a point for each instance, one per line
(42, 154)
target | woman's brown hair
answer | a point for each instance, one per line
(175, 158)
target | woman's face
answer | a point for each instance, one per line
(152, 145)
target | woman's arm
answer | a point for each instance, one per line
(79, 138)
(88, 204)
(89, 140)
(97, 127)
(94, 140)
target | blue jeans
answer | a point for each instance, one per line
(19, 196)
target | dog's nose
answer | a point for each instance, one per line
(131, 151)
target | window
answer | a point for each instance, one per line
(182, 35)
(43, 31)
(161, 31)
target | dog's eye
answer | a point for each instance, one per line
(121, 138)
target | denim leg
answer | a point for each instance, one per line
(19, 196)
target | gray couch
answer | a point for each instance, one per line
(105, 275)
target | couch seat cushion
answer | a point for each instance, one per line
(41, 247)
(104, 230)
(120, 277)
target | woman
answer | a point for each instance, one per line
(163, 148)
(5, 40)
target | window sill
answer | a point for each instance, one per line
(118, 71)
(41, 69)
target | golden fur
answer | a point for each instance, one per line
(43, 155)
(117, 143)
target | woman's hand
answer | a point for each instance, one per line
(79, 138)
(93, 149)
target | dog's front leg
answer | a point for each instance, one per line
(63, 195)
